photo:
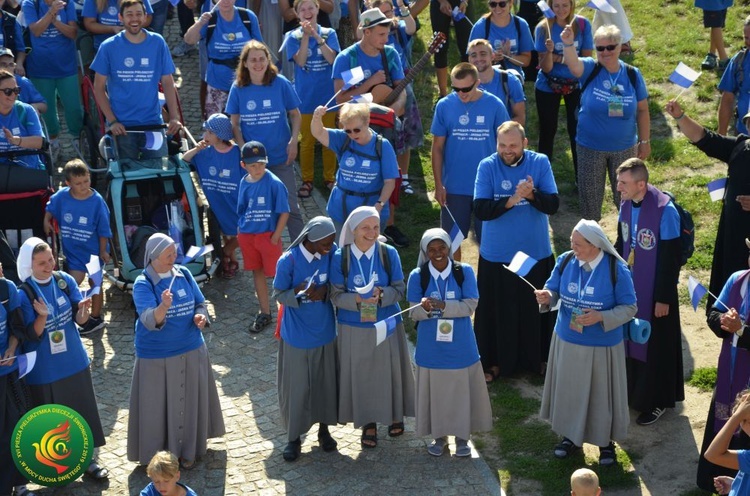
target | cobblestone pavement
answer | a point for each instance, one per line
(247, 460)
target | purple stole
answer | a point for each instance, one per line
(646, 248)
(733, 374)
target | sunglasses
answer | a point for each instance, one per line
(463, 90)
(356, 130)
(608, 48)
(11, 91)
(502, 5)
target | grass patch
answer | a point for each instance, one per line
(704, 378)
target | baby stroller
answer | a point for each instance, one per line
(146, 196)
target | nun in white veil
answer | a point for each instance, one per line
(376, 382)
(585, 389)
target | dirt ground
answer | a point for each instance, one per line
(667, 451)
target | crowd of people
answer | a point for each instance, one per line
(336, 363)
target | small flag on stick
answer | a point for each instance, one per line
(697, 292)
(602, 5)
(26, 363)
(94, 269)
(546, 10)
(684, 76)
(384, 328)
(195, 252)
(716, 189)
(455, 233)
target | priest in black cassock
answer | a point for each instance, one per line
(730, 251)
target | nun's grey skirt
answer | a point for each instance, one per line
(452, 402)
(586, 392)
(174, 405)
(376, 383)
(306, 382)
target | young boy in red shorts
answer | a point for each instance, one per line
(263, 210)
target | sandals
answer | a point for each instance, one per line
(326, 441)
(396, 429)
(187, 464)
(261, 322)
(305, 190)
(406, 187)
(229, 268)
(96, 472)
(565, 448)
(438, 446)
(607, 455)
(369, 440)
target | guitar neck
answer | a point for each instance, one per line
(393, 95)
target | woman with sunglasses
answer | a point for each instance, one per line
(613, 120)
(554, 81)
(20, 124)
(367, 163)
(509, 35)
(263, 106)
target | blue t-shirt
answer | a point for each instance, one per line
(13, 303)
(741, 484)
(313, 81)
(584, 40)
(495, 87)
(470, 132)
(151, 490)
(179, 334)
(259, 204)
(580, 289)
(29, 93)
(263, 114)
(497, 181)
(59, 350)
(370, 65)
(520, 40)
(220, 175)
(133, 72)
(21, 121)
(53, 55)
(82, 223)
(358, 277)
(359, 174)
(312, 324)
(462, 351)
(18, 42)
(108, 17)
(596, 129)
(730, 81)
(226, 43)
(714, 4)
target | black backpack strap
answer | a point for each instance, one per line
(386, 67)
(211, 26)
(346, 145)
(506, 89)
(632, 76)
(5, 294)
(9, 32)
(458, 274)
(245, 18)
(28, 291)
(487, 26)
(424, 277)
(613, 270)
(594, 73)
(565, 261)
(346, 258)
(385, 260)
(739, 74)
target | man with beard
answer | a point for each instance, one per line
(463, 130)
(129, 67)
(514, 194)
(505, 85)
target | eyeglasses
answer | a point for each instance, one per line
(11, 91)
(608, 48)
(355, 130)
(463, 90)
(502, 5)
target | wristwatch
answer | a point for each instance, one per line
(381, 203)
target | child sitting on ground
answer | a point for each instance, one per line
(263, 209)
(83, 219)
(164, 472)
(584, 482)
(719, 453)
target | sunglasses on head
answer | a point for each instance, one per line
(463, 90)
(502, 5)
(355, 130)
(11, 91)
(609, 48)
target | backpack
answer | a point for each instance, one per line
(9, 32)
(424, 275)
(488, 25)
(378, 148)
(58, 279)
(244, 16)
(612, 266)
(687, 230)
(597, 69)
(739, 74)
(346, 257)
(381, 118)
